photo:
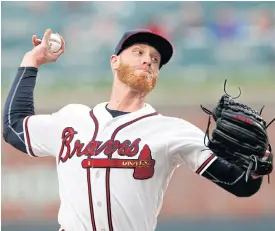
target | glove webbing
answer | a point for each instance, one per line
(253, 159)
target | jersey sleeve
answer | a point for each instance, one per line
(42, 133)
(186, 146)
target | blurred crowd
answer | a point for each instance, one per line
(205, 34)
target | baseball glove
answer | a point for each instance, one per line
(240, 136)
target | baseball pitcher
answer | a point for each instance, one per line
(115, 160)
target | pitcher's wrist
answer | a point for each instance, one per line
(29, 61)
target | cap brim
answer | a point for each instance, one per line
(161, 44)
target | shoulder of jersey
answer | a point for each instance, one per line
(180, 123)
(74, 109)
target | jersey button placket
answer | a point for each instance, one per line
(97, 174)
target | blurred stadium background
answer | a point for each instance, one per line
(213, 41)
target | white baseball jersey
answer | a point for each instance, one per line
(113, 172)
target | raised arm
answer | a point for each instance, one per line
(19, 105)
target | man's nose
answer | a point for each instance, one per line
(146, 59)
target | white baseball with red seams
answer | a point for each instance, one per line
(113, 172)
(55, 43)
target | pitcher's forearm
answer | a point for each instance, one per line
(19, 104)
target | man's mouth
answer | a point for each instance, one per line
(143, 69)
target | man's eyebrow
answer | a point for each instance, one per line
(138, 46)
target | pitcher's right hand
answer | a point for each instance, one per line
(41, 53)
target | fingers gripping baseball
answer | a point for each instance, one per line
(51, 56)
(46, 37)
(42, 52)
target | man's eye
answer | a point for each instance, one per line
(139, 52)
(155, 59)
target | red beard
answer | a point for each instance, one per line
(140, 82)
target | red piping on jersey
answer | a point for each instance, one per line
(28, 137)
(205, 163)
(108, 169)
(89, 175)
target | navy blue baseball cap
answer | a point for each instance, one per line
(161, 44)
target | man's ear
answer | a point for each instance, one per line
(114, 60)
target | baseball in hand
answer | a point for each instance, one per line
(55, 43)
